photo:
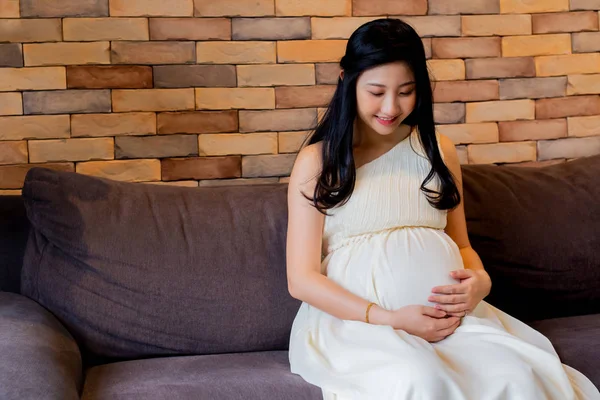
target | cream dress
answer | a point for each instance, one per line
(387, 244)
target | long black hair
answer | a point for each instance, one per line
(375, 43)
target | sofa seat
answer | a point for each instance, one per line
(576, 340)
(244, 376)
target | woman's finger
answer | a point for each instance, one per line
(449, 299)
(452, 308)
(450, 289)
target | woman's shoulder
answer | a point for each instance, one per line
(308, 163)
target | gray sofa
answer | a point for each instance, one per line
(114, 290)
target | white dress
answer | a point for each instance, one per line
(387, 244)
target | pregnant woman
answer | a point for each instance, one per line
(378, 252)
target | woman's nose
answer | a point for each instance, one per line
(391, 106)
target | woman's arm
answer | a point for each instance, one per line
(303, 249)
(475, 282)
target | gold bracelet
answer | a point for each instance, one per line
(367, 313)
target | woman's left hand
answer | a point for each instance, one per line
(460, 299)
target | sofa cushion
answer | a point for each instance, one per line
(246, 376)
(577, 342)
(136, 270)
(537, 231)
(38, 357)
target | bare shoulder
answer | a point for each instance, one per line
(449, 150)
(308, 165)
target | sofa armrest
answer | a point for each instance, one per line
(38, 357)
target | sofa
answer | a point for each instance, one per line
(115, 290)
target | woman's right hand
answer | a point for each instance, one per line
(423, 321)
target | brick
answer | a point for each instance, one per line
(532, 6)
(470, 133)
(567, 107)
(13, 79)
(568, 64)
(39, 54)
(152, 100)
(565, 22)
(235, 98)
(13, 176)
(114, 124)
(584, 126)
(336, 27)
(234, 8)
(327, 73)
(291, 142)
(463, 157)
(517, 67)
(448, 92)
(536, 45)
(64, 8)
(229, 144)
(515, 131)
(11, 55)
(66, 102)
(236, 52)
(270, 28)
(501, 153)
(156, 146)
(41, 151)
(122, 170)
(427, 47)
(92, 29)
(449, 113)
(533, 88)
(237, 182)
(306, 51)
(190, 29)
(304, 96)
(496, 25)
(275, 75)
(585, 5)
(151, 8)
(321, 113)
(109, 77)
(13, 152)
(11, 192)
(30, 30)
(9, 9)
(152, 52)
(388, 7)
(506, 110)
(34, 127)
(569, 148)
(198, 122)
(583, 84)
(329, 8)
(201, 168)
(185, 76)
(445, 7)
(268, 165)
(446, 70)
(174, 183)
(586, 42)
(278, 120)
(434, 25)
(466, 47)
(11, 104)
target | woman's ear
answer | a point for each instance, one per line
(342, 74)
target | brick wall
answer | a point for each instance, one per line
(201, 92)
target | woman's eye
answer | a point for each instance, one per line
(406, 93)
(376, 94)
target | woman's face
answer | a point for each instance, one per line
(385, 96)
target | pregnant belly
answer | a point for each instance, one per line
(396, 268)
